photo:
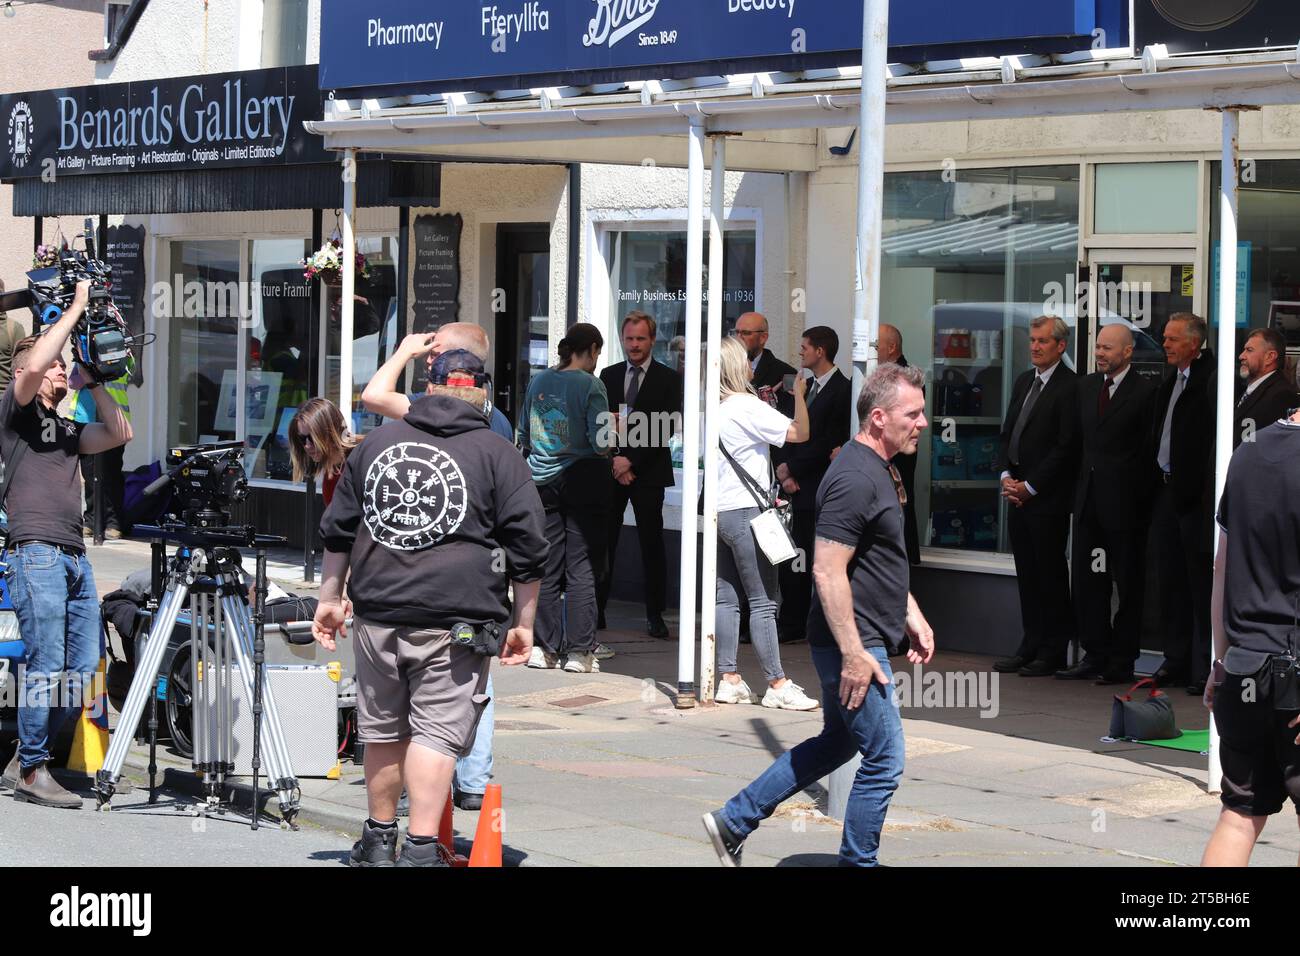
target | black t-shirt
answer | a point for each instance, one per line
(857, 505)
(1258, 511)
(44, 499)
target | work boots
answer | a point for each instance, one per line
(426, 854)
(377, 847)
(44, 791)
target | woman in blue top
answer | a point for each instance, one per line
(563, 418)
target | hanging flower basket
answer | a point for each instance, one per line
(326, 264)
(46, 257)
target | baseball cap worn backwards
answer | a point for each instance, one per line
(458, 368)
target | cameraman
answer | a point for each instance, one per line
(53, 586)
(434, 515)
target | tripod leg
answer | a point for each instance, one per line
(143, 685)
(198, 671)
(273, 732)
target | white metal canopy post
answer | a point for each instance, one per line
(1227, 347)
(866, 301)
(712, 390)
(347, 293)
(691, 410)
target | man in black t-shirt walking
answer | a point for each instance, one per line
(53, 586)
(1254, 609)
(862, 614)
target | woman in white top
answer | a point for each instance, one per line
(747, 426)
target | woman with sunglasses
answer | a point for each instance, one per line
(747, 426)
(319, 443)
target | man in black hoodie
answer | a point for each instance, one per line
(435, 515)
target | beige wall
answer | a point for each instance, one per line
(43, 46)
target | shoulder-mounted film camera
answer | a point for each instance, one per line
(101, 342)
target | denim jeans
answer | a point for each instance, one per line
(58, 616)
(874, 730)
(475, 768)
(576, 503)
(744, 569)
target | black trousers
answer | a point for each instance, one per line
(575, 503)
(796, 576)
(113, 489)
(1185, 554)
(1106, 557)
(1038, 543)
(648, 507)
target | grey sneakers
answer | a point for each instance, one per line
(726, 844)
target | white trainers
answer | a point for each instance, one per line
(789, 696)
(729, 693)
(603, 652)
(542, 660)
(578, 663)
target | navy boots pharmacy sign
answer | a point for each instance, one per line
(478, 44)
(221, 120)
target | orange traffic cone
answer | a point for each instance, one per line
(491, 825)
(447, 840)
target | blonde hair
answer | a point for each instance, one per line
(321, 419)
(735, 368)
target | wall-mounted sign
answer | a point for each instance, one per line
(523, 43)
(124, 251)
(1187, 26)
(435, 271)
(222, 120)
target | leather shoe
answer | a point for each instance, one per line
(1167, 675)
(1116, 677)
(656, 627)
(1086, 669)
(468, 801)
(45, 791)
(1196, 688)
(1009, 665)
(1037, 669)
(9, 779)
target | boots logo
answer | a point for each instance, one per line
(20, 130)
(414, 497)
(616, 19)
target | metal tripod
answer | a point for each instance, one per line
(221, 630)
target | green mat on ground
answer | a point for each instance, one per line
(1193, 741)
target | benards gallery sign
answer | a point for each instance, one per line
(499, 44)
(222, 120)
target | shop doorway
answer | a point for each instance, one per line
(523, 324)
(1142, 287)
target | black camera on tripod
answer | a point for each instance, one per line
(102, 341)
(206, 480)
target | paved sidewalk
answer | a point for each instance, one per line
(599, 769)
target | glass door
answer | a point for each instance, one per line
(523, 328)
(1142, 289)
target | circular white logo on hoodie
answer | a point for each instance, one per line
(414, 497)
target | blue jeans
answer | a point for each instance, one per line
(874, 730)
(475, 768)
(58, 616)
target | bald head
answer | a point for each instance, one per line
(462, 335)
(889, 345)
(751, 329)
(1114, 349)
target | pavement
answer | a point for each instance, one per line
(602, 770)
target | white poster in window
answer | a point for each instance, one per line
(261, 401)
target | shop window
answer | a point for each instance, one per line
(966, 266)
(1145, 198)
(278, 363)
(203, 366)
(375, 329)
(1268, 252)
(648, 273)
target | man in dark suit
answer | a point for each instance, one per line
(1112, 500)
(800, 469)
(889, 350)
(752, 330)
(646, 391)
(1183, 437)
(1040, 449)
(1267, 395)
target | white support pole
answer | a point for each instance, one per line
(1227, 348)
(348, 292)
(871, 191)
(712, 399)
(866, 301)
(691, 411)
